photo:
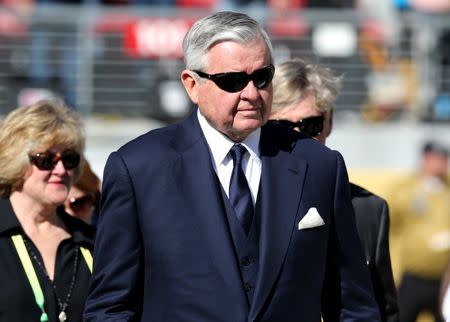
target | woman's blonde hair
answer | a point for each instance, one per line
(295, 77)
(32, 129)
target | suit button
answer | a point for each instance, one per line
(247, 287)
(246, 261)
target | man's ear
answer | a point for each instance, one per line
(190, 83)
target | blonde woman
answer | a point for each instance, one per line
(45, 260)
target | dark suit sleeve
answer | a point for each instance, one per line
(116, 286)
(384, 269)
(348, 293)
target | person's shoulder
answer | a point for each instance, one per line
(164, 139)
(158, 137)
(9, 222)
(285, 137)
(360, 194)
(358, 191)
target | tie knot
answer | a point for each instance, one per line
(237, 152)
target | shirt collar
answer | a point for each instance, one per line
(9, 220)
(220, 145)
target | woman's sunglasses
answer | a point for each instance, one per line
(78, 204)
(48, 160)
(312, 126)
(236, 81)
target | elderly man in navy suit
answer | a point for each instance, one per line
(223, 217)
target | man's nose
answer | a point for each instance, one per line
(250, 91)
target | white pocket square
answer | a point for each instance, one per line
(311, 219)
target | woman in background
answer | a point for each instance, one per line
(84, 196)
(45, 262)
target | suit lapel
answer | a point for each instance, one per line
(281, 186)
(205, 200)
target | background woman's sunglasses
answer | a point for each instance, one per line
(312, 126)
(48, 160)
(236, 81)
(78, 204)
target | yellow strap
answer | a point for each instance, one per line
(31, 273)
(87, 257)
(25, 259)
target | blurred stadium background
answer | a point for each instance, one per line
(118, 63)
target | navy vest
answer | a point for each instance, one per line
(246, 247)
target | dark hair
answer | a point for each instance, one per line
(435, 147)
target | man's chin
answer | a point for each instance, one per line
(250, 124)
(238, 134)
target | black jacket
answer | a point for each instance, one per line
(17, 301)
(372, 222)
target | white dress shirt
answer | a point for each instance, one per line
(219, 147)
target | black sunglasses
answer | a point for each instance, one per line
(236, 81)
(77, 204)
(48, 160)
(312, 126)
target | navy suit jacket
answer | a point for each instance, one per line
(164, 251)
